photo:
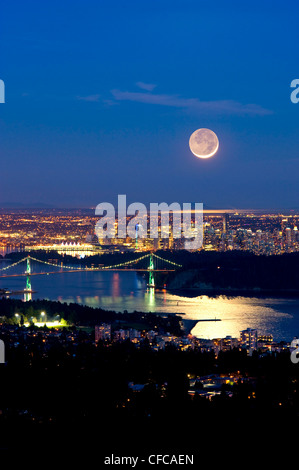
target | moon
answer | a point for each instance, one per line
(203, 143)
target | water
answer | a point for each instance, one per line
(121, 291)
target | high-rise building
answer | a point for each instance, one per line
(288, 233)
(248, 339)
(225, 220)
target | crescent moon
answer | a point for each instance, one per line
(203, 143)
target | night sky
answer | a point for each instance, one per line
(102, 97)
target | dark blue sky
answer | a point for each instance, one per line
(102, 97)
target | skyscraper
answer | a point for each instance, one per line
(225, 220)
(288, 233)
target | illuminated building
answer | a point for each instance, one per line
(73, 249)
(248, 339)
(157, 243)
(228, 343)
(121, 334)
(225, 221)
(288, 233)
(102, 332)
(265, 339)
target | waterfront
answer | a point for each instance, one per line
(121, 291)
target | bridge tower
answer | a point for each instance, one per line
(151, 280)
(28, 290)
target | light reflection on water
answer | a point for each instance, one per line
(121, 291)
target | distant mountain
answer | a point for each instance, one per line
(31, 205)
(206, 207)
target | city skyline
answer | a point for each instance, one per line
(74, 231)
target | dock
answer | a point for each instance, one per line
(209, 319)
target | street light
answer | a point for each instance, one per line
(17, 317)
(43, 315)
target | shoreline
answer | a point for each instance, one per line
(232, 292)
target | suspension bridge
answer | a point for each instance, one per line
(154, 264)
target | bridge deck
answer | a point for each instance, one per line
(87, 270)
